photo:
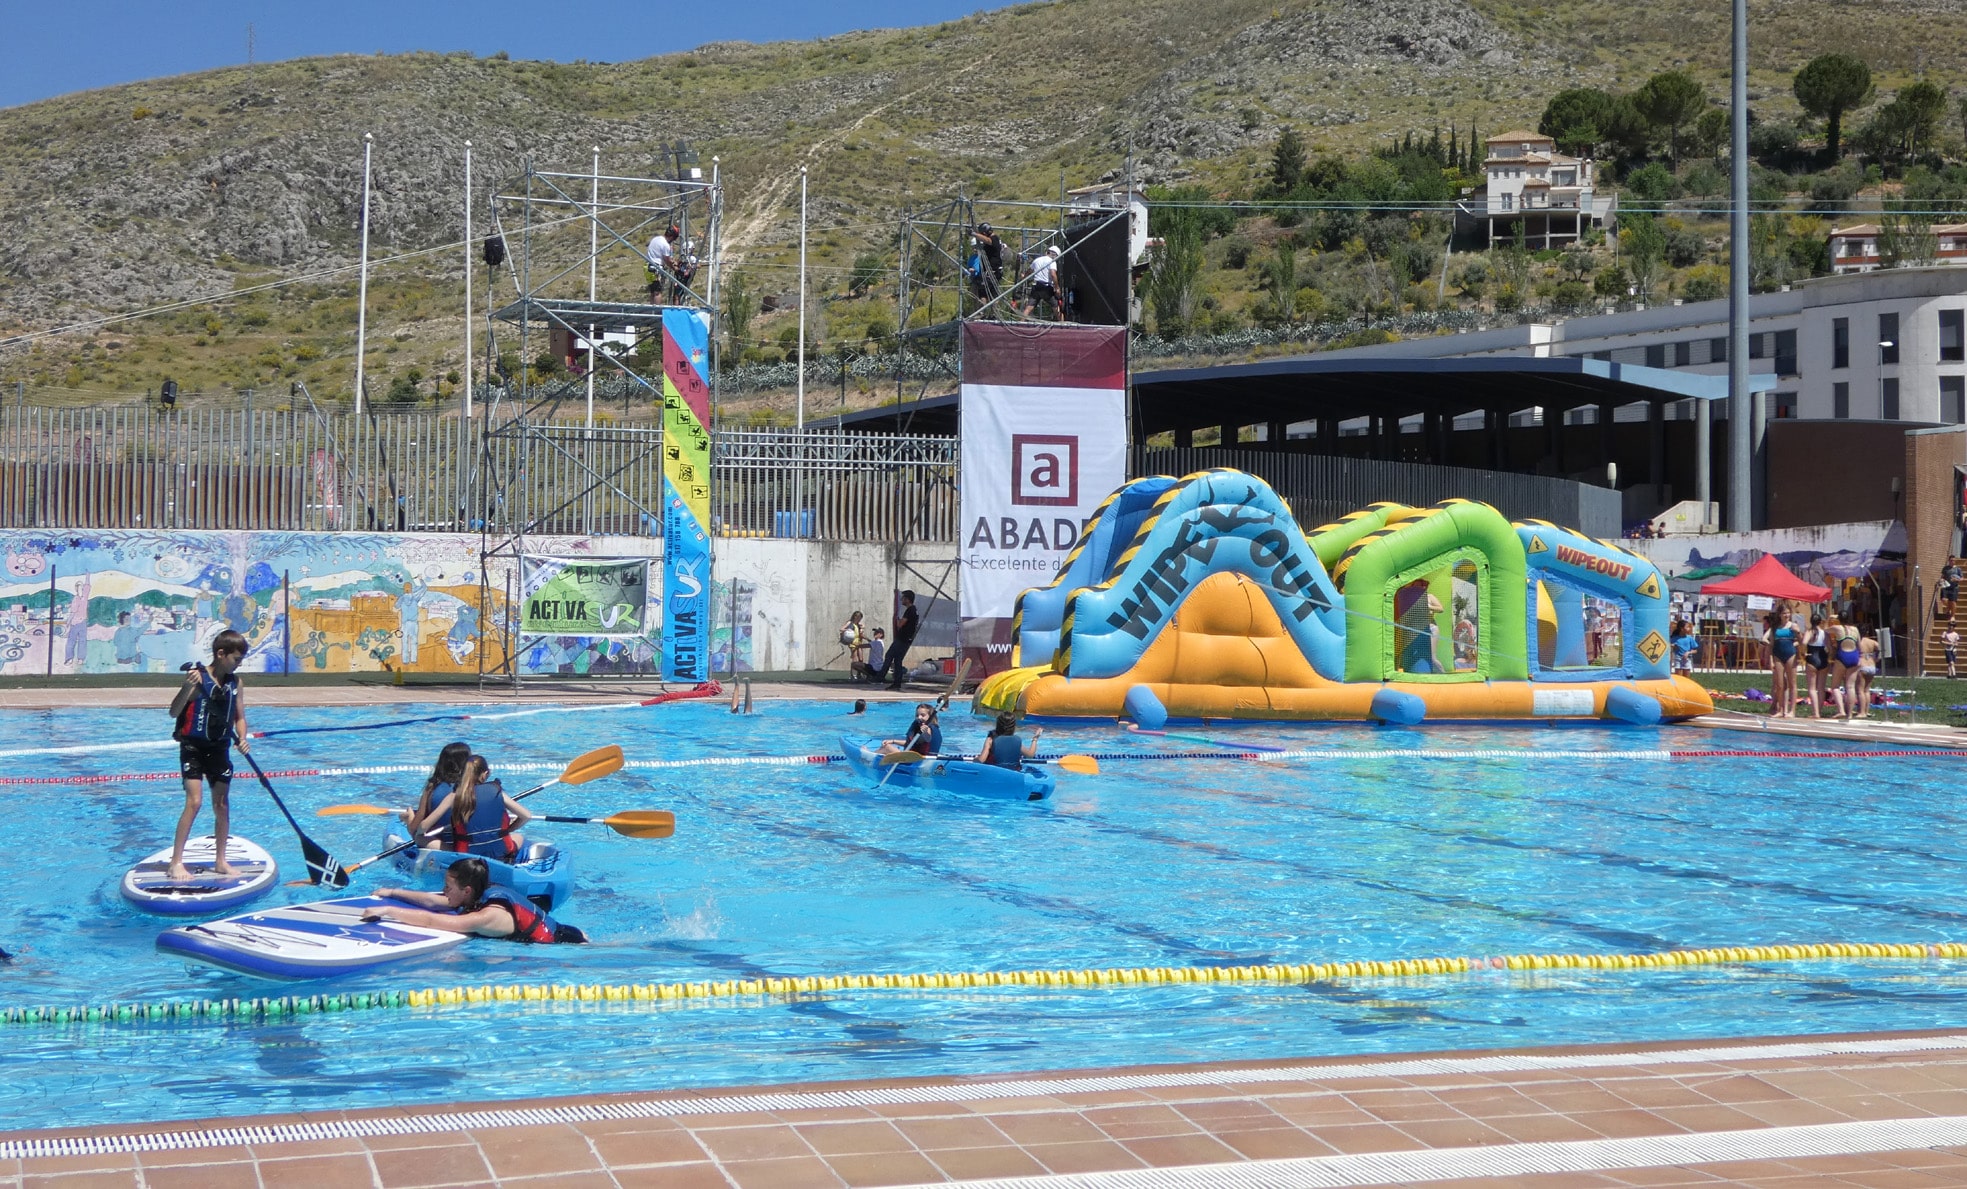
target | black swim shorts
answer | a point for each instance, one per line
(205, 761)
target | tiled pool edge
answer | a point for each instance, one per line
(28, 1145)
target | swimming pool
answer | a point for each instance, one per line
(1373, 852)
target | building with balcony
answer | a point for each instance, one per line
(1865, 246)
(1527, 181)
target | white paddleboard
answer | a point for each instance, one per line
(254, 873)
(314, 940)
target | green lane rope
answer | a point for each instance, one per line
(300, 1005)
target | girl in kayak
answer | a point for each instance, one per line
(1002, 746)
(443, 778)
(472, 903)
(477, 816)
(924, 737)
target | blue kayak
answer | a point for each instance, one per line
(544, 874)
(1031, 782)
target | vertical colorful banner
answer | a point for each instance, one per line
(686, 494)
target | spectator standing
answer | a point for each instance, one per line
(853, 637)
(1950, 587)
(907, 621)
(1685, 644)
(1951, 639)
(1816, 663)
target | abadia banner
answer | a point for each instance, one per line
(1044, 441)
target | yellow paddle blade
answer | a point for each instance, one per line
(642, 823)
(602, 761)
(345, 810)
(890, 759)
(1084, 765)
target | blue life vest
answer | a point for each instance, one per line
(1006, 751)
(208, 716)
(488, 832)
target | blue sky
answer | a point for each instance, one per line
(53, 49)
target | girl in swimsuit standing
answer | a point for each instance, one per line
(1816, 663)
(1844, 638)
(1781, 639)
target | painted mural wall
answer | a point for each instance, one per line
(131, 601)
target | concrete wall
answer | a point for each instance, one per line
(795, 594)
(1830, 472)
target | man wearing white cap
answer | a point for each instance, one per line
(1044, 283)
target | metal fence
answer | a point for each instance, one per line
(1321, 488)
(148, 468)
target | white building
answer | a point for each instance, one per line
(1860, 248)
(1527, 181)
(1887, 345)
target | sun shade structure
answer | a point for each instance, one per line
(1771, 578)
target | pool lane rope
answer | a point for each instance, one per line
(759, 989)
(788, 761)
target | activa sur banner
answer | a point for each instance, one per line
(1060, 535)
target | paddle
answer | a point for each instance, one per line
(321, 867)
(1084, 765)
(635, 823)
(890, 759)
(602, 761)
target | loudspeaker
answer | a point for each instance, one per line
(1093, 271)
(168, 394)
(494, 250)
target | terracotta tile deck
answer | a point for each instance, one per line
(1878, 1110)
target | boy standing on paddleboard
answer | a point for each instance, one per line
(211, 720)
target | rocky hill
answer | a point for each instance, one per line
(181, 188)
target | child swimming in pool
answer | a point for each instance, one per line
(472, 903)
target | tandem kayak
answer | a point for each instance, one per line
(1027, 783)
(147, 885)
(544, 874)
(314, 940)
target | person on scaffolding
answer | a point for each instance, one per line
(662, 262)
(1045, 285)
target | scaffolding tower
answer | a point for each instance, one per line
(939, 287)
(553, 233)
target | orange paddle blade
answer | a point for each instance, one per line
(345, 810)
(602, 761)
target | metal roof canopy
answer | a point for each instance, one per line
(1308, 389)
(1313, 388)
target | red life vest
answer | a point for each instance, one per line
(529, 924)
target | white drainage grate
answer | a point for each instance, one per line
(1520, 1160)
(160, 1141)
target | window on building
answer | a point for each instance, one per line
(1953, 400)
(1785, 404)
(1952, 347)
(1888, 338)
(1840, 400)
(1509, 201)
(1785, 352)
(1758, 346)
(1683, 353)
(1840, 342)
(1888, 398)
(1656, 355)
(1717, 350)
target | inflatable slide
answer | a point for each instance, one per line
(1202, 598)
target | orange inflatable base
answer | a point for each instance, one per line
(1047, 694)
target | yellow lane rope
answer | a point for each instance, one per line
(1134, 976)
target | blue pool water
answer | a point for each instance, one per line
(806, 870)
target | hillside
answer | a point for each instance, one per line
(180, 188)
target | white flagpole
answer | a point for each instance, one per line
(802, 298)
(362, 297)
(593, 251)
(467, 280)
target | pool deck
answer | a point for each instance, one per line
(1874, 1110)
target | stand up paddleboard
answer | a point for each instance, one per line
(315, 940)
(147, 885)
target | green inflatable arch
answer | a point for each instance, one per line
(1428, 549)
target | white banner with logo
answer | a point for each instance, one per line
(1037, 461)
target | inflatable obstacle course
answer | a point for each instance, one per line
(1202, 598)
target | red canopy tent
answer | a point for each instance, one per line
(1771, 578)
